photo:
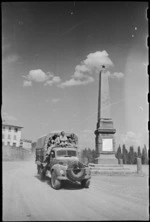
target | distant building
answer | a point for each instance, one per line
(11, 135)
(26, 144)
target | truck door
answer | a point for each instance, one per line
(52, 158)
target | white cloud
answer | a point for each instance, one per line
(78, 75)
(117, 75)
(97, 59)
(37, 76)
(27, 83)
(133, 139)
(55, 100)
(82, 75)
(56, 79)
(49, 83)
(128, 138)
(53, 80)
(11, 59)
(75, 82)
(83, 71)
(8, 57)
(130, 135)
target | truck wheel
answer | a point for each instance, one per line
(85, 183)
(56, 184)
(41, 173)
(76, 171)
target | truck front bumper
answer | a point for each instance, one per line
(66, 178)
(62, 178)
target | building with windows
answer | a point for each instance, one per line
(11, 135)
(26, 144)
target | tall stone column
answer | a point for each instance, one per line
(104, 140)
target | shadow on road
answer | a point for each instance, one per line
(44, 180)
(66, 185)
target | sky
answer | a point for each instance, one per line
(52, 53)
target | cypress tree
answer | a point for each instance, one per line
(144, 155)
(89, 155)
(129, 158)
(93, 156)
(124, 154)
(131, 155)
(118, 153)
(83, 155)
(139, 152)
(135, 157)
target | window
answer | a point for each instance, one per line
(3, 127)
(61, 153)
(16, 130)
(15, 137)
(9, 137)
(9, 128)
(14, 144)
(3, 135)
(72, 153)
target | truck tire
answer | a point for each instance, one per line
(55, 183)
(85, 183)
(76, 171)
(41, 173)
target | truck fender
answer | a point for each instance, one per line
(56, 168)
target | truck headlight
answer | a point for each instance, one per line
(62, 172)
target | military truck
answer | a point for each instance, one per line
(62, 162)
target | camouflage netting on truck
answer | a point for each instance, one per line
(46, 141)
(49, 141)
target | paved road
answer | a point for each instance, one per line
(26, 198)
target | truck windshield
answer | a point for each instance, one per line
(66, 153)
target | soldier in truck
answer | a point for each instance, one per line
(63, 139)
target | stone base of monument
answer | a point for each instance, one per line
(111, 170)
(106, 159)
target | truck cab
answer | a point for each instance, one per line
(63, 164)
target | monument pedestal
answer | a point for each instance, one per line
(105, 142)
(106, 159)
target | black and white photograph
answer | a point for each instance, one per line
(75, 111)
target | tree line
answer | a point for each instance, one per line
(128, 156)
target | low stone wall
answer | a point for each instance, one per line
(11, 153)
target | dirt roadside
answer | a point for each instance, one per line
(26, 198)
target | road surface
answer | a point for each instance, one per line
(26, 198)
